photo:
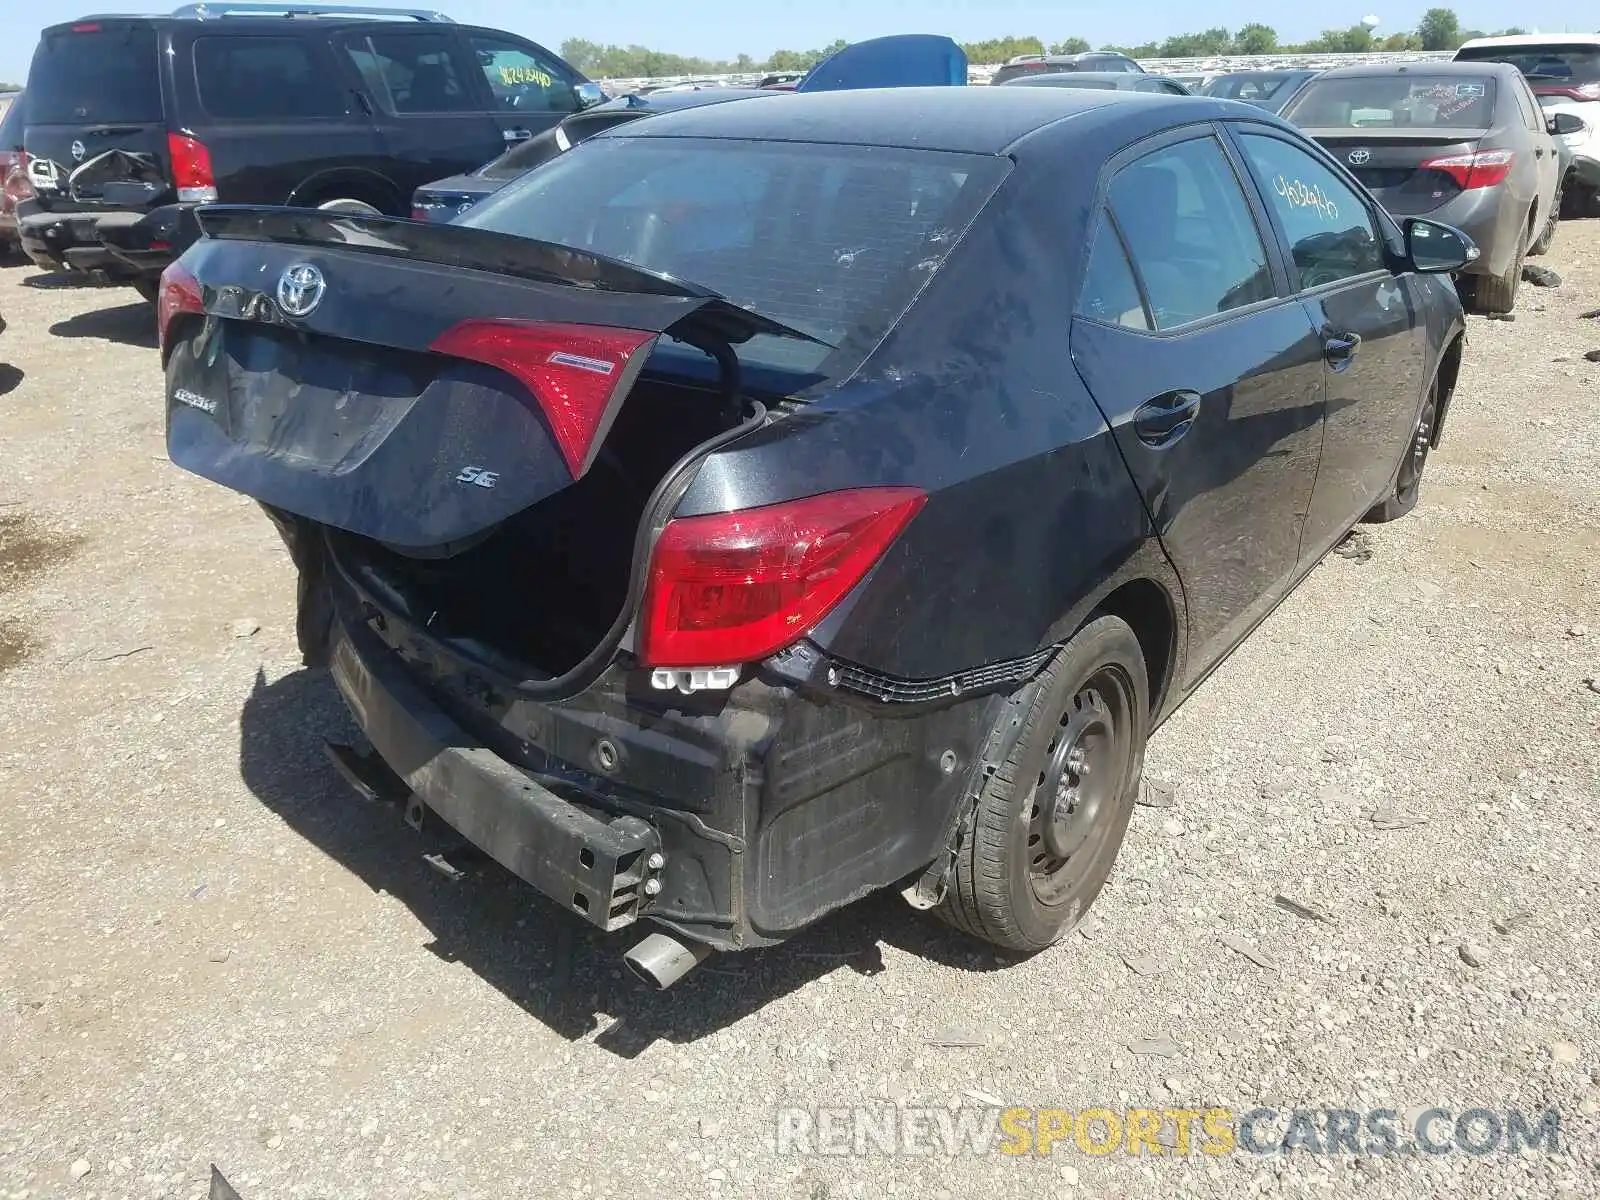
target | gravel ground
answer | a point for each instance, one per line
(210, 952)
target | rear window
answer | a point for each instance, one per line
(1246, 87)
(1395, 102)
(109, 75)
(1553, 65)
(244, 78)
(834, 241)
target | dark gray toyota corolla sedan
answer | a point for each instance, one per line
(763, 504)
(1462, 143)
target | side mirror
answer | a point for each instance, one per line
(1563, 123)
(589, 94)
(1436, 249)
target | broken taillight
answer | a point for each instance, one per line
(1483, 169)
(578, 374)
(191, 169)
(179, 293)
(729, 588)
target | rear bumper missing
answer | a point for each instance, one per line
(602, 869)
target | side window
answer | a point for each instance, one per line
(262, 78)
(1191, 233)
(1110, 294)
(1531, 112)
(1329, 228)
(411, 72)
(523, 80)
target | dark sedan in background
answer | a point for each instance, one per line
(1461, 143)
(1103, 81)
(650, 516)
(1270, 90)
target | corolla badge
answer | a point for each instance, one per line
(300, 290)
(77, 150)
(1360, 158)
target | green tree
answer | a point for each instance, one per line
(581, 53)
(1440, 29)
(1071, 45)
(998, 50)
(1255, 38)
(1205, 44)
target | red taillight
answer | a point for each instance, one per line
(577, 373)
(180, 293)
(87, 27)
(1584, 91)
(191, 169)
(1483, 169)
(737, 587)
(418, 213)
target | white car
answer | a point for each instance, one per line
(1564, 71)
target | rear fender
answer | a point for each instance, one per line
(353, 183)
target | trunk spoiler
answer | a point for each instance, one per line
(713, 318)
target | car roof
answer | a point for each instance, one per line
(660, 102)
(970, 120)
(1510, 40)
(1441, 67)
(1073, 77)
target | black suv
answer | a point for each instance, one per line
(1053, 64)
(133, 121)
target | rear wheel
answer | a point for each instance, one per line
(1408, 483)
(1498, 293)
(1050, 821)
(1547, 235)
(147, 288)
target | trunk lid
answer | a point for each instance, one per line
(1390, 163)
(328, 374)
(96, 123)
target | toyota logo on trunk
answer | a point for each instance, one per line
(1360, 158)
(77, 150)
(300, 289)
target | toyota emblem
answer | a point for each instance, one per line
(77, 150)
(1360, 158)
(300, 290)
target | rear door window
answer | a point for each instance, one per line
(1110, 293)
(105, 74)
(522, 79)
(262, 78)
(1332, 235)
(413, 72)
(1191, 233)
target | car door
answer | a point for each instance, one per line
(527, 89)
(1369, 319)
(1209, 374)
(427, 107)
(1546, 153)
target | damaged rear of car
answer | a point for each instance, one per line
(486, 446)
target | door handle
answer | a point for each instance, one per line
(518, 135)
(1164, 420)
(1340, 348)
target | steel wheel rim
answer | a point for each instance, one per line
(1421, 443)
(1076, 793)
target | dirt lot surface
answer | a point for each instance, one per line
(211, 952)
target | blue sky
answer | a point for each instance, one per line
(724, 28)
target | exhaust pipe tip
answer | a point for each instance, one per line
(661, 959)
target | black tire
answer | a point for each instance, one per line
(1498, 293)
(149, 289)
(1408, 481)
(1547, 235)
(1027, 871)
(1579, 201)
